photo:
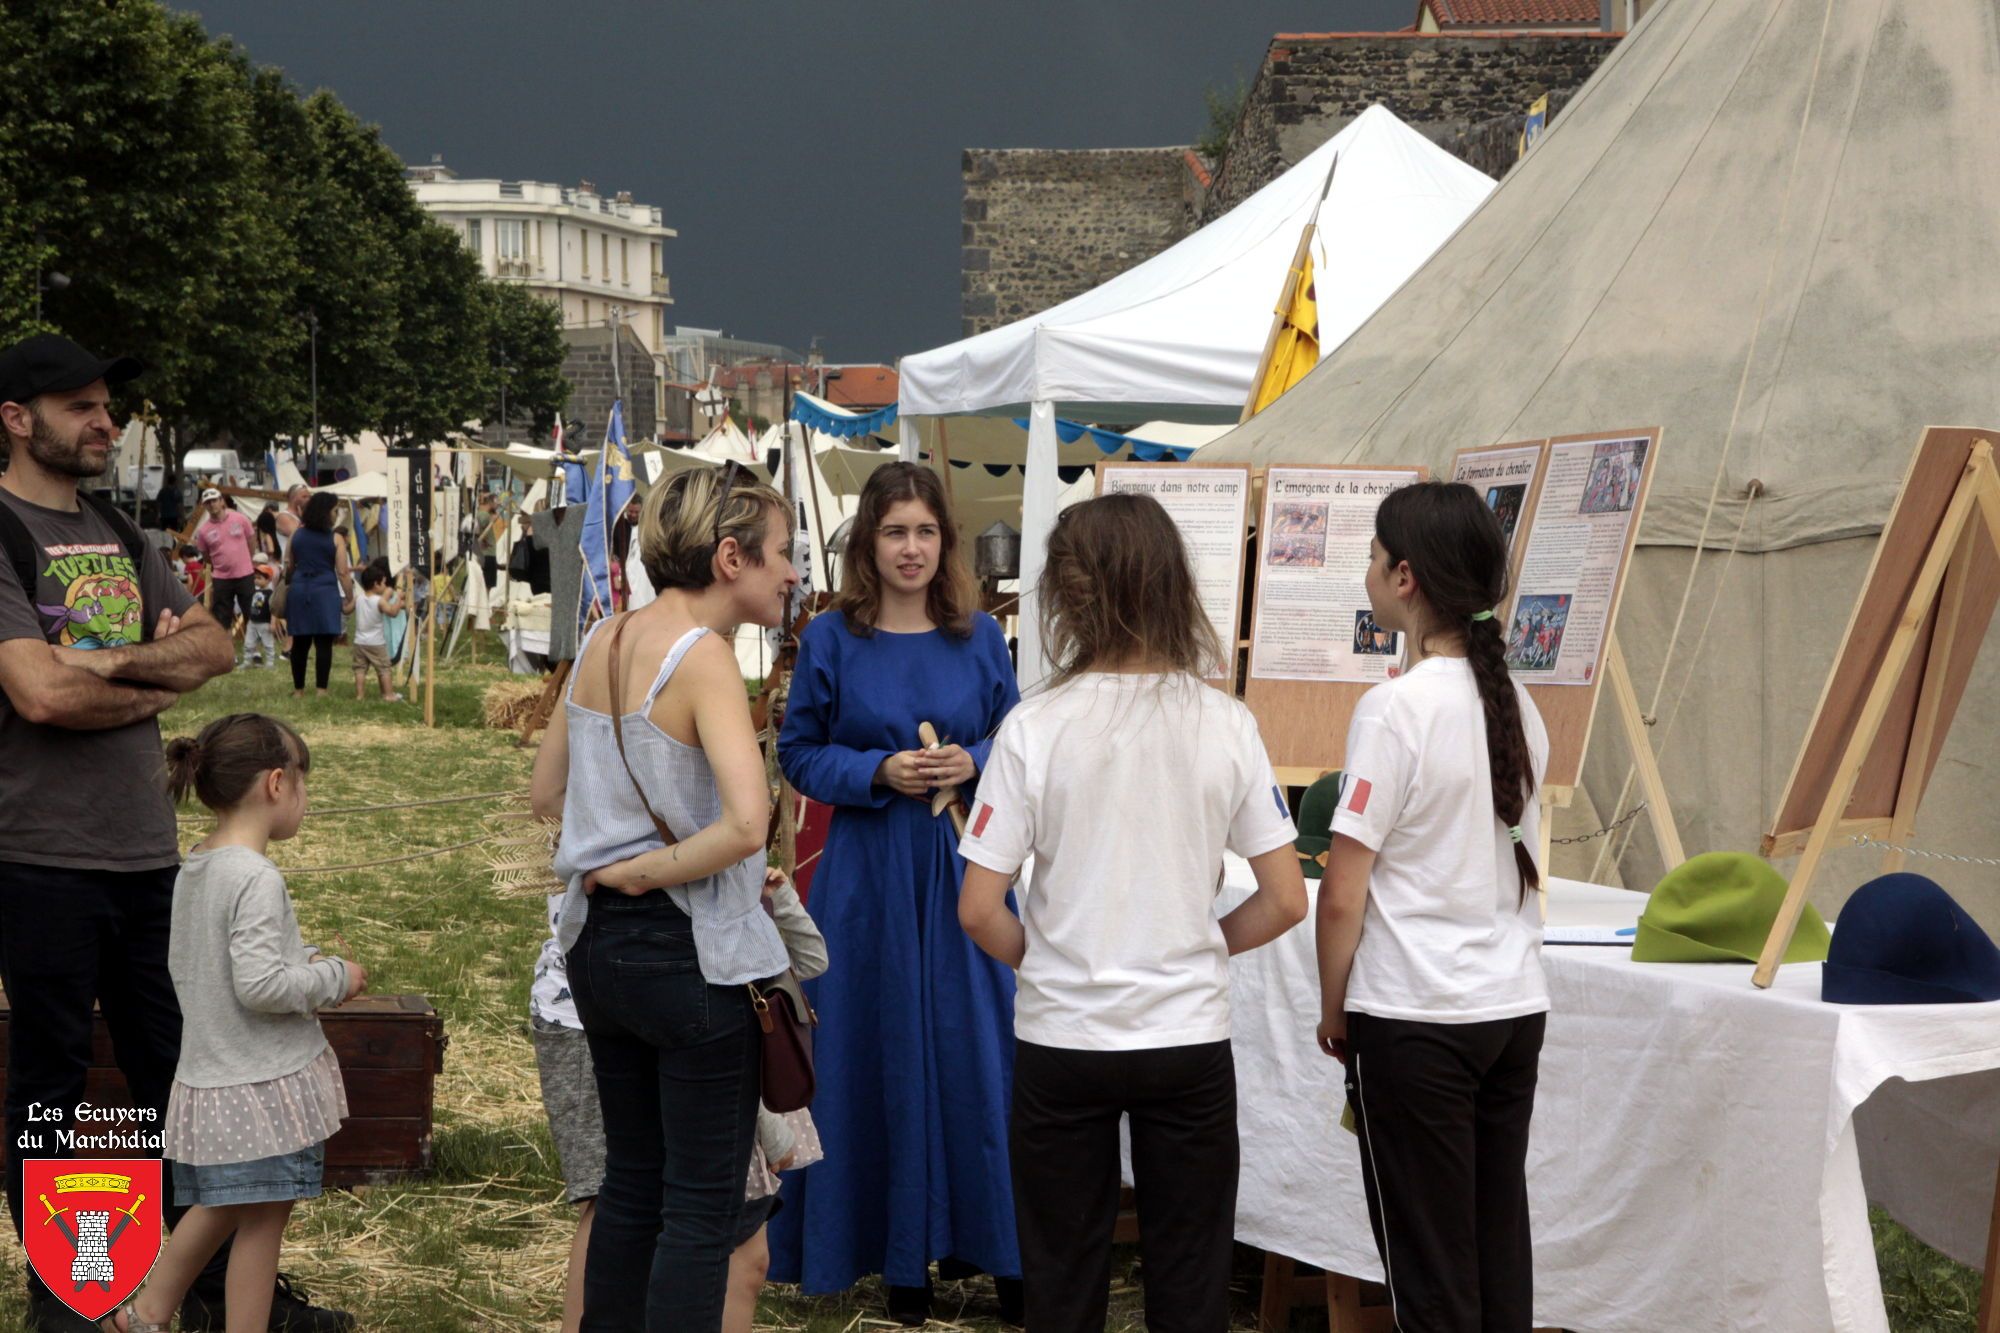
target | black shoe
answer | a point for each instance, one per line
(1013, 1301)
(46, 1314)
(290, 1313)
(910, 1306)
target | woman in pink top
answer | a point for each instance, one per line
(228, 541)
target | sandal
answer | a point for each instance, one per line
(134, 1324)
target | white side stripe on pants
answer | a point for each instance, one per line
(1381, 1197)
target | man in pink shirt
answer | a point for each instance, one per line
(228, 541)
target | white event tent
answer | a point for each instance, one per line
(1179, 336)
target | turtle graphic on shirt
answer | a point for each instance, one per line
(102, 610)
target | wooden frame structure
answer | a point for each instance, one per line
(1903, 666)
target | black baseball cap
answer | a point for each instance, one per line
(51, 363)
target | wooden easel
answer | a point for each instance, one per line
(1903, 666)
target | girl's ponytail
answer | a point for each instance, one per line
(1458, 555)
(183, 764)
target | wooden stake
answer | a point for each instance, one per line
(1923, 729)
(1989, 1290)
(1652, 788)
(431, 641)
(1923, 596)
(545, 703)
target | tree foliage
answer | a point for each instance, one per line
(210, 219)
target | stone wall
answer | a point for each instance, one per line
(1458, 90)
(1043, 225)
(592, 390)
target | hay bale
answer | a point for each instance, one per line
(505, 704)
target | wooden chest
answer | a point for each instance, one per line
(390, 1048)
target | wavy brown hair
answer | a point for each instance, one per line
(1118, 589)
(225, 761)
(1458, 556)
(953, 595)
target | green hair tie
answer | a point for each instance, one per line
(1482, 615)
(1513, 830)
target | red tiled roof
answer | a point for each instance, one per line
(861, 386)
(1504, 13)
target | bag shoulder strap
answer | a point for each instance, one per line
(19, 545)
(613, 642)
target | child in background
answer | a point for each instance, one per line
(374, 599)
(194, 573)
(258, 1091)
(1429, 933)
(259, 647)
(1123, 1006)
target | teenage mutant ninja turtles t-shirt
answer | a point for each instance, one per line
(88, 800)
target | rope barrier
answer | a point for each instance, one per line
(391, 805)
(386, 861)
(1863, 840)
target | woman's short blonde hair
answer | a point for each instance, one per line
(686, 518)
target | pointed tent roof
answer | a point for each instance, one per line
(1770, 227)
(1180, 335)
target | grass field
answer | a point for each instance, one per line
(481, 1244)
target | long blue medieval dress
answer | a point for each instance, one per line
(915, 1047)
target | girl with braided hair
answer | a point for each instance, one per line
(1429, 938)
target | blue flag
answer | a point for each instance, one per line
(608, 487)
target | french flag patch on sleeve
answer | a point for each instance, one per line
(981, 812)
(1354, 794)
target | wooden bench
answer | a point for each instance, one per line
(391, 1050)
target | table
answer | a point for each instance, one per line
(1703, 1153)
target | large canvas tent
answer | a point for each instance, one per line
(1771, 227)
(1179, 336)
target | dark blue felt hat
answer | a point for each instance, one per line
(1902, 940)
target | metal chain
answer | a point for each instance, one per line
(1863, 840)
(1612, 827)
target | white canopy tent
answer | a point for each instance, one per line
(1180, 335)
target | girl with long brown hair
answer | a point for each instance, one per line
(912, 1049)
(1429, 937)
(1127, 780)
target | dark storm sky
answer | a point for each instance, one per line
(808, 153)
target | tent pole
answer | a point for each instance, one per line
(911, 438)
(1038, 516)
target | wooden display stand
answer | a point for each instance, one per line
(391, 1050)
(1901, 671)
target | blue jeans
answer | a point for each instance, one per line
(677, 1074)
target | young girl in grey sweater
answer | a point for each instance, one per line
(258, 1090)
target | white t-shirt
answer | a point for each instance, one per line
(368, 619)
(1126, 790)
(1446, 938)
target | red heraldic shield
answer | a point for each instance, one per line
(92, 1227)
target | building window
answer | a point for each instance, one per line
(584, 236)
(510, 235)
(586, 310)
(604, 253)
(472, 238)
(538, 245)
(656, 259)
(624, 261)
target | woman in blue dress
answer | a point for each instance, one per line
(915, 1046)
(317, 587)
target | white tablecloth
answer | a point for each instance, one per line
(1699, 1149)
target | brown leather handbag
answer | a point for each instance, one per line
(784, 1016)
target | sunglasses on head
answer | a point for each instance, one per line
(730, 471)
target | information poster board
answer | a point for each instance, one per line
(1509, 478)
(1211, 507)
(1572, 570)
(1314, 646)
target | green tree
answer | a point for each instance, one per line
(125, 137)
(442, 371)
(527, 332)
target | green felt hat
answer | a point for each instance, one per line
(1316, 809)
(1718, 908)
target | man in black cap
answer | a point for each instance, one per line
(97, 638)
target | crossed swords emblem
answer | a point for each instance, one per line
(126, 1217)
